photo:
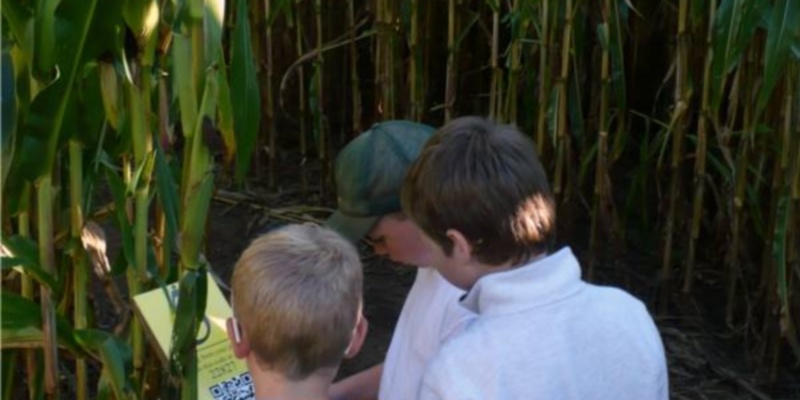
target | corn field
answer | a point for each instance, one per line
(669, 127)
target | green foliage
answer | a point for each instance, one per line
(247, 109)
(69, 75)
(784, 28)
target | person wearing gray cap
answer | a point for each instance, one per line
(369, 175)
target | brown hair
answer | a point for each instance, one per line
(297, 295)
(484, 180)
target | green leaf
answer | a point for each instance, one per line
(189, 314)
(143, 170)
(18, 15)
(8, 360)
(225, 114)
(118, 192)
(142, 17)
(194, 221)
(115, 355)
(104, 388)
(90, 114)
(8, 100)
(245, 89)
(779, 247)
(735, 24)
(214, 20)
(22, 248)
(784, 26)
(184, 84)
(50, 108)
(21, 324)
(167, 192)
(617, 56)
(26, 258)
(44, 37)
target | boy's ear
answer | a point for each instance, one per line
(239, 343)
(357, 340)
(462, 248)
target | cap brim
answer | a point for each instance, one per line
(352, 228)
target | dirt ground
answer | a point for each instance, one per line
(705, 361)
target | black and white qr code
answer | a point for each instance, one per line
(239, 387)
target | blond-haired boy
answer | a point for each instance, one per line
(297, 300)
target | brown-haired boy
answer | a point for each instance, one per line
(481, 196)
(297, 300)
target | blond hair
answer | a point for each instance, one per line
(297, 295)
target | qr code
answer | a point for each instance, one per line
(239, 387)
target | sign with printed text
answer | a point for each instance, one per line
(220, 375)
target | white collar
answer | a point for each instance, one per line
(540, 282)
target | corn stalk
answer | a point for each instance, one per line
(562, 138)
(301, 91)
(495, 105)
(681, 98)
(520, 20)
(702, 149)
(601, 172)
(544, 78)
(80, 265)
(272, 131)
(452, 60)
(354, 77)
(318, 111)
(415, 71)
(44, 217)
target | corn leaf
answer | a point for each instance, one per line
(115, 355)
(118, 192)
(26, 258)
(225, 114)
(214, 20)
(244, 88)
(779, 249)
(168, 197)
(104, 389)
(735, 24)
(617, 19)
(190, 312)
(184, 84)
(8, 358)
(200, 181)
(784, 26)
(44, 38)
(17, 15)
(141, 177)
(21, 324)
(8, 101)
(49, 110)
